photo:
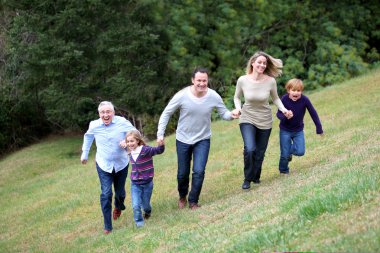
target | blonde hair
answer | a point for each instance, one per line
(137, 135)
(274, 66)
(294, 84)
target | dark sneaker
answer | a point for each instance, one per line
(284, 172)
(256, 181)
(194, 206)
(146, 216)
(182, 203)
(116, 213)
(246, 185)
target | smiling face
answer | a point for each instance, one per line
(295, 94)
(260, 64)
(106, 113)
(132, 142)
(200, 83)
(294, 87)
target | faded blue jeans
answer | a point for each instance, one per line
(291, 143)
(185, 152)
(141, 195)
(106, 180)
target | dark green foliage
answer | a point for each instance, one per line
(61, 58)
(64, 57)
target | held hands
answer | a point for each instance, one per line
(288, 114)
(160, 141)
(235, 114)
(123, 144)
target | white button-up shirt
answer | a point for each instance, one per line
(109, 155)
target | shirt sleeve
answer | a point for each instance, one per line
(152, 151)
(173, 105)
(128, 125)
(276, 100)
(87, 141)
(238, 94)
(314, 116)
(221, 108)
(280, 115)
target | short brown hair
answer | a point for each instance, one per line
(294, 84)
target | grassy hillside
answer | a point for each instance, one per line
(329, 202)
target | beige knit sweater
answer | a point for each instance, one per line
(256, 109)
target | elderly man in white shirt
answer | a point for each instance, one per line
(111, 160)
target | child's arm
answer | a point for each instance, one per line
(280, 115)
(314, 116)
(151, 151)
(288, 114)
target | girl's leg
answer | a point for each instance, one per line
(136, 192)
(146, 196)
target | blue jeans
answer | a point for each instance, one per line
(185, 152)
(255, 144)
(141, 194)
(106, 179)
(291, 143)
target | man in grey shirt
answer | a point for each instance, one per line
(196, 103)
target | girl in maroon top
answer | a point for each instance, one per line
(142, 173)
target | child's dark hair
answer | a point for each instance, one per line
(137, 135)
(294, 84)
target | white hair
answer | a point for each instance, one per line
(103, 103)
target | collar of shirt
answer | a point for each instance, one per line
(135, 153)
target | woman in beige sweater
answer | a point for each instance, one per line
(256, 115)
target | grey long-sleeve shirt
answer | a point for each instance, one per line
(194, 122)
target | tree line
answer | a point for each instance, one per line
(59, 59)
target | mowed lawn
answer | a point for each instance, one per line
(329, 202)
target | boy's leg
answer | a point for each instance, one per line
(298, 147)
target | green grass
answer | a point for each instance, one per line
(329, 202)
